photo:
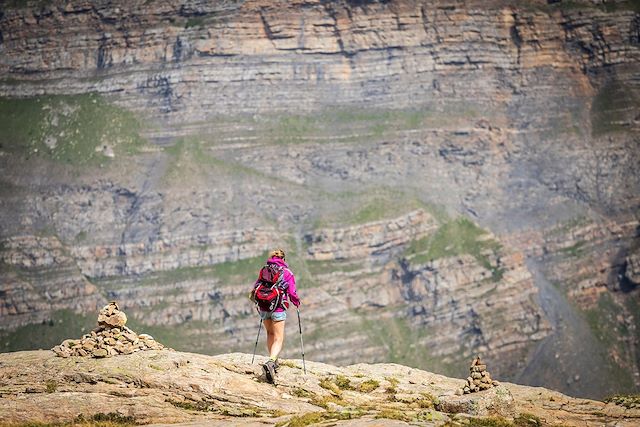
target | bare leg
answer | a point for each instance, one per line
(277, 339)
(268, 325)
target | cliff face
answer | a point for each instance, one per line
(153, 151)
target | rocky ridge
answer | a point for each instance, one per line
(160, 386)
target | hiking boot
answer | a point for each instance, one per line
(270, 371)
(276, 366)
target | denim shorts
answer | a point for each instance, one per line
(276, 316)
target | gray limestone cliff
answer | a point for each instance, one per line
(448, 177)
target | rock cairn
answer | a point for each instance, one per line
(110, 338)
(478, 379)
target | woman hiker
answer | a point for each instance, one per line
(275, 287)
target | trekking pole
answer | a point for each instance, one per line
(257, 338)
(301, 342)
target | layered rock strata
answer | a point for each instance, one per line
(39, 276)
(366, 241)
(519, 116)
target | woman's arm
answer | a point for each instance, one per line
(291, 290)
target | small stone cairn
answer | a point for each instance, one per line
(478, 379)
(110, 338)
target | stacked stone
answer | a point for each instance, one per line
(110, 338)
(478, 379)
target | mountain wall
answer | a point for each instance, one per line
(448, 178)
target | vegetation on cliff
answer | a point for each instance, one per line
(77, 130)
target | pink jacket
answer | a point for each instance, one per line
(291, 293)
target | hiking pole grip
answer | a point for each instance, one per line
(301, 342)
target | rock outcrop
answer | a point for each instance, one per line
(172, 387)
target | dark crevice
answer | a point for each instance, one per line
(338, 35)
(104, 59)
(215, 55)
(406, 276)
(266, 26)
(271, 35)
(473, 334)
(634, 36)
(164, 90)
(516, 37)
(189, 12)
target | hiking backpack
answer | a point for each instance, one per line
(270, 288)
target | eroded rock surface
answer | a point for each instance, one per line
(175, 387)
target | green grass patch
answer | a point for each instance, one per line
(382, 208)
(368, 206)
(192, 162)
(343, 383)
(189, 336)
(75, 130)
(300, 392)
(21, 4)
(289, 364)
(620, 5)
(606, 329)
(394, 414)
(454, 238)
(367, 386)
(527, 420)
(61, 325)
(574, 250)
(326, 401)
(326, 267)
(51, 385)
(343, 125)
(629, 401)
(196, 21)
(312, 418)
(111, 419)
(401, 343)
(633, 306)
(569, 225)
(192, 405)
(327, 383)
(573, 5)
(601, 319)
(391, 389)
(490, 422)
(393, 381)
(522, 420)
(427, 401)
(241, 271)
